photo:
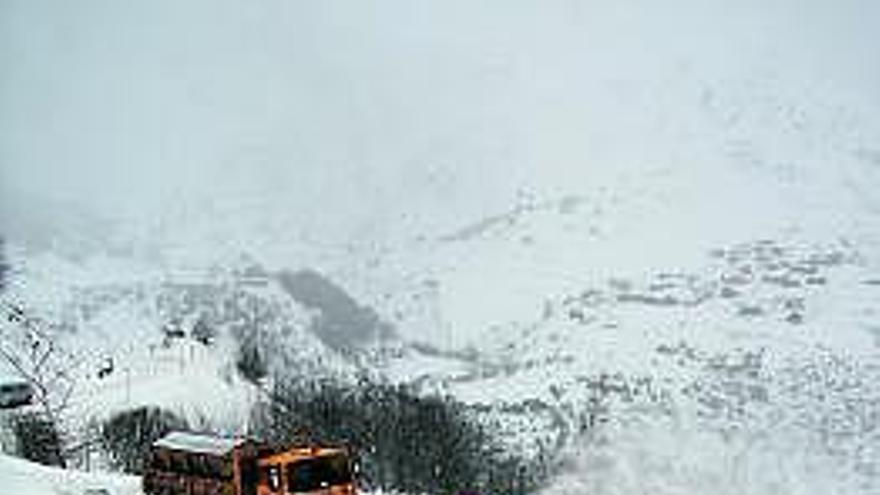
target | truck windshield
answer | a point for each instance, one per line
(312, 474)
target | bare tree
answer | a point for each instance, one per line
(29, 346)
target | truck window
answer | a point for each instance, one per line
(320, 472)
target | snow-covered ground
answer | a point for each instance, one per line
(20, 477)
(658, 220)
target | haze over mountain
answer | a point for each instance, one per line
(525, 197)
(238, 125)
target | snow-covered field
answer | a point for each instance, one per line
(25, 478)
(647, 232)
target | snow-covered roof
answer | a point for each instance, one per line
(202, 444)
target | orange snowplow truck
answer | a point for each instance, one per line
(188, 464)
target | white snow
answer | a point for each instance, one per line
(19, 477)
(184, 441)
(541, 185)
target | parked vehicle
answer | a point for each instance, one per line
(15, 394)
(184, 463)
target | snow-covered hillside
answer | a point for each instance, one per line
(646, 234)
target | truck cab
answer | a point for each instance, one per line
(307, 470)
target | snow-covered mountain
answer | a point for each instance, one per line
(651, 227)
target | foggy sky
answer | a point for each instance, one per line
(354, 115)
